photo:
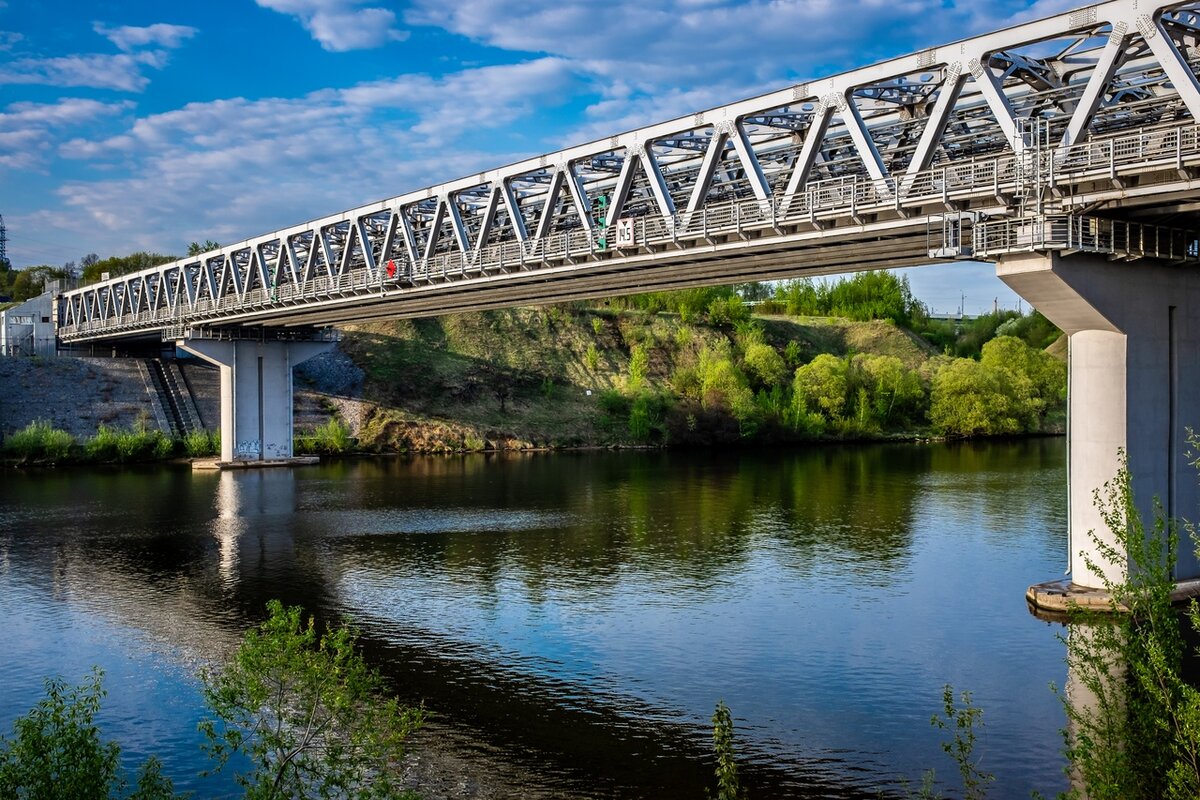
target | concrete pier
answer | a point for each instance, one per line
(1134, 387)
(256, 393)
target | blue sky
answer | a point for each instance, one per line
(129, 125)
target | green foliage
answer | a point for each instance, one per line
(968, 399)
(721, 304)
(1009, 390)
(22, 284)
(896, 393)
(613, 402)
(597, 325)
(307, 713)
(121, 446)
(1140, 738)
(639, 362)
(864, 296)
(722, 385)
(764, 363)
(820, 387)
(200, 443)
(332, 438)
(39, 440)
(199, 248)
(961, 747)
(122, 265)
(791, 354)
(728, 785)
(646, 414)
(56, 751)
(1033, 329)
(966, 338)
(727, 310)
(592, 357)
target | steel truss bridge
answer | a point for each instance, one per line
(1075, 133)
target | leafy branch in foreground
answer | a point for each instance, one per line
(1133, 720)
(961, 747)
(56, 751)
(307, 713)
(728, 785)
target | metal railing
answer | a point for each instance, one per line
(1076, 234)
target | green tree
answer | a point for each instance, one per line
(639, 363)
(197, 248)
(820, 387)
(122, 265)
(308, 714)
(970, 399)
(57, 751)
(896, 392)
(723, 385)
(764, 362)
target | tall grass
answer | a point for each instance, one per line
(39, 440)
(331, 438)
(136, 444)
(198, 444)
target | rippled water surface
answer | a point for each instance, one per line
(574, 618)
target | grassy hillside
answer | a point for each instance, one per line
(567, 376)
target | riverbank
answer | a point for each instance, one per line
(577, 376)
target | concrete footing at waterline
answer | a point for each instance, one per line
(206, 464)
(1053, 600)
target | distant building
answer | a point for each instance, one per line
(27, 329)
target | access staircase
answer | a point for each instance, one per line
(178, 404)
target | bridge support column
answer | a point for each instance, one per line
(256, 393)
(1134, 385)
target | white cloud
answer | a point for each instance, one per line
(234, 168)
(654, 61)
(341, 25)
(128, 38)
(122, 72)
(30, 131)
(8, 39)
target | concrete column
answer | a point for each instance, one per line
(1134, 385)
(256, 393)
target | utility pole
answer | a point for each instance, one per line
(3, 241)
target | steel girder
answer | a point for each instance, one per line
(1100, 102)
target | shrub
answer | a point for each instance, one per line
(764, 362)
(102, 446)
(39, 439)
(57, 751)
(201, 443)
(1140, 739)
(820, 387)
(646, 414)
(639, 362)
(307, 714)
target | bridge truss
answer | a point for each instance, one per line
(1078, 131)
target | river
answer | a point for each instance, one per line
(571, 619)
